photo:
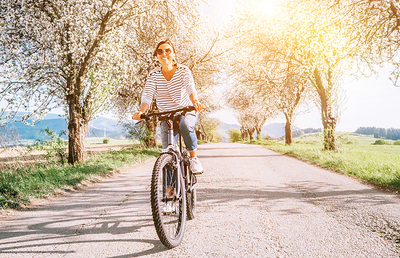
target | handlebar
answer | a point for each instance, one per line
(168, 113)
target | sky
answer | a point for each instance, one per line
(372, 101)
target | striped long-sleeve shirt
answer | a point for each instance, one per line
(172, 94)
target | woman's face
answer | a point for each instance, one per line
(165, 54)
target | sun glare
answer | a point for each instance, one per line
(268, 7)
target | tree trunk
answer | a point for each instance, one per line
(251, 132)
(329, 136)
(204, 133)
(151, 129)
(258, 129)
(243, 133)
(76, 132)
(150, 140)
(328, 121)
(288, 132)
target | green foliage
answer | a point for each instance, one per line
(235, 135)
(20, 185)
(138, 131)
(211, 130)
(207, 127)
(391, 133)
(106, 141)
(396, 142)
(55, 147)
(200, 141)
(381, 142)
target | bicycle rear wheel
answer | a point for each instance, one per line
(169, 212)
(191, 198)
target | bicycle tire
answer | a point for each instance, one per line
(169, 227)
(191, 200)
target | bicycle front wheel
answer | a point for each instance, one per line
(168, 207)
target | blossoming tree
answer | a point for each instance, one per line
(313, 40)
(76, 55)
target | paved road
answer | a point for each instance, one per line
(252, 202)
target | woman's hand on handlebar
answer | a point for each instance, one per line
(198, 105)
(143, 108)
(137, 115)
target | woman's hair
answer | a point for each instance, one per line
(167, 41)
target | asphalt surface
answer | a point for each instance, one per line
(252, 202)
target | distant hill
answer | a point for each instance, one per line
(223, 130)
(105, 127)
(99, 127)
(28, 132)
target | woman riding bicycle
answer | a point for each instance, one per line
(172, 86)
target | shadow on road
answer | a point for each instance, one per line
(83, 220)
(305, 191)
(239, 156)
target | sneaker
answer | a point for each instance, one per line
(168, 208)
(195, 166)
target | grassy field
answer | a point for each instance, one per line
(19, 185)
(356, 156)
(99, 140)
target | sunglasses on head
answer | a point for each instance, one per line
(166, 51)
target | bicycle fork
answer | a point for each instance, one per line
(173, 150)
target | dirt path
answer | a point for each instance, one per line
(252, 202)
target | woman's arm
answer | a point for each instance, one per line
(143, 109)
(199, 106)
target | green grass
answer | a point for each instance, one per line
(18, 186)
(356, 157)
(99, 140)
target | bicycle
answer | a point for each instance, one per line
(173, 185)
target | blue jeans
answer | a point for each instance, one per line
(186, 126)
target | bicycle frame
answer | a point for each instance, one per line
(174, 151)
(169, 119)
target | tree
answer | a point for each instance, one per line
(76, 55)
(286, 82)
(234, 135)
(252, 106)
(307, 34)
(289, 94)
(139, 131)
(376, 31)
(208, 130)
(196, 45)
(252, 110)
